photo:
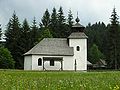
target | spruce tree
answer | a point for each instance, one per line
(97, 35)
(70, 23)
(45, 33)
(118, 49)
(0, 32)
(70, 19)
(61, 17)
(25, 41)
(6, 60)
(46, 19)
(61, 23)
(12, 34)
(53, 22)
(95, 54)
(34, 33)
(113, 36)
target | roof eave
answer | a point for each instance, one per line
(50, 54)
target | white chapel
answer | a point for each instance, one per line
(59, 53)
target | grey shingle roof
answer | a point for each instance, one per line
(89, 63)
(78, 35)
(77, 25)
(52, 46)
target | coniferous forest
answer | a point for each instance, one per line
(103, 40)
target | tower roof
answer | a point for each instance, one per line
(78, 27)
(77, 35)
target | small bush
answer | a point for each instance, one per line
(6, 60)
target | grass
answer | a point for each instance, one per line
(35, 80)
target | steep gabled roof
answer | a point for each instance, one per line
(52, 46)
(78, 35)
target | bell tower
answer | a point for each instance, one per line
(78, 40)
(77, 27)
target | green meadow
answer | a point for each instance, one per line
(37, 80)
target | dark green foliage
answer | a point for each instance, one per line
(106, 39)
(61, 23)
(53, 23)
(46, 19)
(46, 25)
(114, 18)
(61, 17)
(0, 31)
(25, 40)
(113, 42)
(70, 18)
(95, 54)
(6, 60)
(12, 34)
(69, 24)
(34, 33)
(57, 23)
(118, 49)
(45, 33)
(97, 35)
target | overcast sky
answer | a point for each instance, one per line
(89, 10)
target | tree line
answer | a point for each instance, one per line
(22, 37)
(103, 41)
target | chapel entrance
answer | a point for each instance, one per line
(52, 60)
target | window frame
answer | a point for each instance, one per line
(39, 62)
(78, 48)
(52, 62)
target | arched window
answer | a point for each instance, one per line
(78, 48)
(39, 62)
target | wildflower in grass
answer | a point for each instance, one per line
(116, 87)
(81, 85)
(110, 88)
(60, 81)
(84, 85)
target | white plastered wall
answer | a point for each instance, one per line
(68, 63)
(28, 62)
(80, 56)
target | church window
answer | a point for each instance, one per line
(78, 48)
(51, 62)
(39, 62)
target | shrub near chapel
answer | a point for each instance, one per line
(6, 60)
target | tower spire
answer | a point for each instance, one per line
(78, 27)
(77, 19)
